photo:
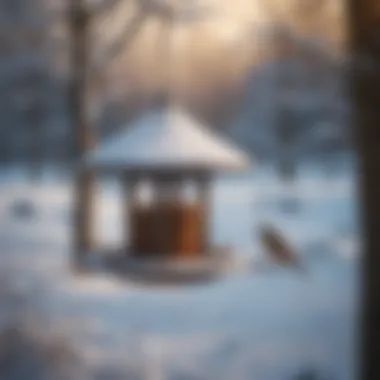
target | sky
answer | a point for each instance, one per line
(223, 43)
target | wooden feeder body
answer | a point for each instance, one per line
(169, 223)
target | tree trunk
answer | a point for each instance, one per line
(82, 130)
(36, 141)
(365, 84)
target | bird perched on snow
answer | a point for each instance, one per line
(277, 247)
(23, 209)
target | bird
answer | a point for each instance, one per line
(278, 248)
(23, 209)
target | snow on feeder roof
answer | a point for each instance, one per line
(167, 138)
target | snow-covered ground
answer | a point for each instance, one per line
(265, 325)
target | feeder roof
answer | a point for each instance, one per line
(165, 139)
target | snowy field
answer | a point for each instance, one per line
(266, 325)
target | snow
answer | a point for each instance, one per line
(168, 139)
(267, 325)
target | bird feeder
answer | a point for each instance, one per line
(172, 152)
(177, 156)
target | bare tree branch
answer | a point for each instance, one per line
(104, 7)
(129, 32)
